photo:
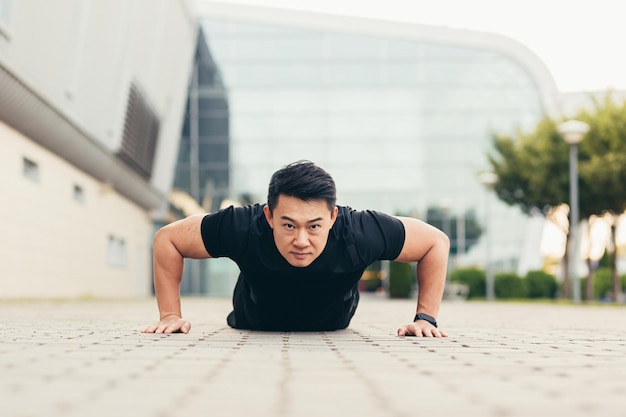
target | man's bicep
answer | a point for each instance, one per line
(186, 236)
(419, 238)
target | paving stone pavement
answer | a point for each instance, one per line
(88, 358)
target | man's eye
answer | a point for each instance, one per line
(288, 226)
(315, 226)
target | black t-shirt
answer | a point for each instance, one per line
(272, 294)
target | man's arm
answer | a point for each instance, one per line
(172, 243)
(430, 248)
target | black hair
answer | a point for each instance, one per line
(303, 180)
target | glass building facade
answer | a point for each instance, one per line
(403, 125)
(202, 168)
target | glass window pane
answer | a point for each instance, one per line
(30, 169)
(303, 126)
(405, 74)
(304, 74)
(5, 12)
(354, 74)
(299, 101)
(349, 47)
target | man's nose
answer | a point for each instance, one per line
(302, 238)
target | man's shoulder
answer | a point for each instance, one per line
(240, 212)
(237, 217)
(374, 234)
(362, 222)
(349, 212)
(229, 231)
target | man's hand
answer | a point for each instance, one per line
(169, 324)
(421, 328)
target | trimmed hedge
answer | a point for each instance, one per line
(602, 283)
(401, 279)
(474, 278)
(510, 285)
(541, 284)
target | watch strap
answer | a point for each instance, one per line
(426, 317)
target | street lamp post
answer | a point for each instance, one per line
(573, 131)
(488, 180)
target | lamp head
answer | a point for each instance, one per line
(488, 179)
(573, 131)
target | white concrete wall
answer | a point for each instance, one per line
(82, 55)
(69, 65)
(54, 246)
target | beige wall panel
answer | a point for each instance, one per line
(55, 246)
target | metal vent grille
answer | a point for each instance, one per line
(141, 130)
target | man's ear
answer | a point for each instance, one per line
(268, 216)
(333, 216)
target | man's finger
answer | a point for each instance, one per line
(426, 332)
(180, 326)
(408, 330)
(185, 327)
(421, 331)
(405, 331)
(172, 328)
(416, 330)
(149, 329)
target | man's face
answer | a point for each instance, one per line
(300, 228)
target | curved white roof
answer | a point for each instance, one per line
(387, 29)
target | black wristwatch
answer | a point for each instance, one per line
(423, 316)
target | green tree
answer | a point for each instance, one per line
(533, 170)
(533, 173)
(603, 169)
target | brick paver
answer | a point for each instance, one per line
(87, 358)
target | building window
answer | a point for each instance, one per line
(79, 193)
(30, 169)
(5, 15)
(116, 252)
